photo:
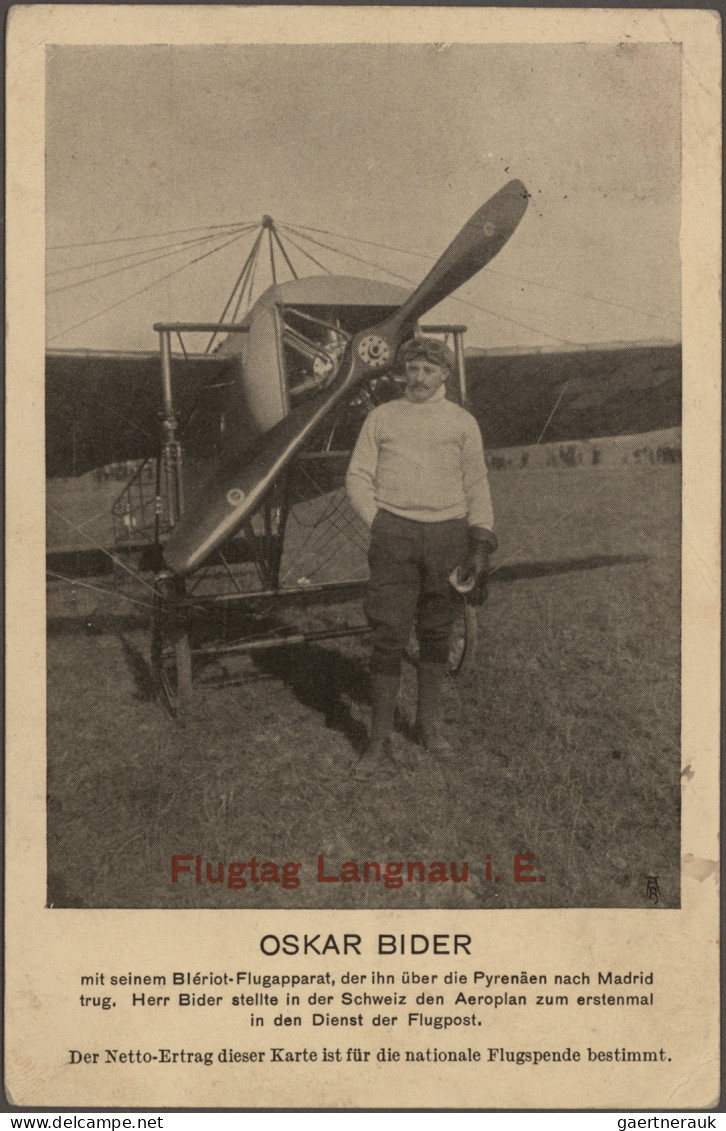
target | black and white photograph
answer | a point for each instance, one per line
(363, 457)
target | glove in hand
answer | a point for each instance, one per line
(482, 543)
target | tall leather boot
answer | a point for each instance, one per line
(377, 757)
(429, 715)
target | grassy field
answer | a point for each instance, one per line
(566, 731)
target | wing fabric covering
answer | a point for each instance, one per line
(620, 391)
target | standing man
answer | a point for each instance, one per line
(417, 477)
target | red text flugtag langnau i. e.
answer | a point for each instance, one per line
(240, 874)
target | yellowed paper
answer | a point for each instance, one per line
(543, 974)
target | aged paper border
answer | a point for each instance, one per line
(45, 952)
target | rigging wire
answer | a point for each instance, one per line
(154, 235)
(249, 282)
(307, 544)
(491, 271)
(538, 441)
(281, 246)
(359, 239)
(595, 494)
(272, 258)
(247, 279)
(183, 347)
(143, 290)
(349, 255)
(247, 266)
(300, 231)
(307, 253)
(499, 408)
(98, 546)
(514, 321)
(99, 589)
(453, 298)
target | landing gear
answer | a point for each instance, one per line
(462, 643)
(464, 634)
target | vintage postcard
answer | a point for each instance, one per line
(363, 413)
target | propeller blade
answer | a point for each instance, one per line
(217, 511)
(235, 492)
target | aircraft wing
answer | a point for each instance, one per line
(102, 407)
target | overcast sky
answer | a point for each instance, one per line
(390, 143)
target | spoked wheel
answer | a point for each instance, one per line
(171, 656)
(464, 635)
(463, 641)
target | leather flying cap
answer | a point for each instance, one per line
(432, 349)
